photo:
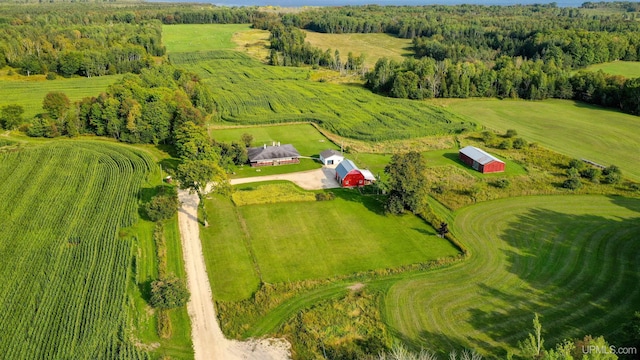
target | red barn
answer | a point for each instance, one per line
(481, 160)
(348, 174)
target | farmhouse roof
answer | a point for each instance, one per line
(329, 153)
(368, 175)
(272, 152)
(345, 167)
(479, 155)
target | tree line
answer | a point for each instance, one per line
(145, 108)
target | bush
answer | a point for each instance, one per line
(611, 178)
(162, 206)
(488, 137)
(501, 183)
(506, 144)
(51, 76)
(590, 173)
(519, 143)
(612, 169)
(572, 183)
(168, 293)
(573, 172)
(577, 164)
(325, 196)
(511, 133)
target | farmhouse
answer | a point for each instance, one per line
(331, 157)
(481, 160)
(273, 155)
(348, 175)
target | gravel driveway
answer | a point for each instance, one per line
(323, 178)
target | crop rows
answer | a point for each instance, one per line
(248, 92)
(64, 268)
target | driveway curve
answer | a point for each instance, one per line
(317, 179)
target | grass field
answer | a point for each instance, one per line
(628, 69)
(374, 46)
(572, 259)
(249, 92)
(571, 128)
(65, 269)
(310, 240)
(200, 37)
(29, 91)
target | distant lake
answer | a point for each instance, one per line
(298, 3)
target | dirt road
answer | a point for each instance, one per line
(208, 341)
(323, 178)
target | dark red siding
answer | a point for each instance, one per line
(492, 167)
(353, 178)
(465, 159)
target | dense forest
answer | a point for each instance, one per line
(94, 40)
(528, 52)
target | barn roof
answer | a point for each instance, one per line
(368, 175)
(479, 155)
(272, 152)
(345, 167)
(329, 153)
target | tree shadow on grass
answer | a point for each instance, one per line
(372, 203)
(573, 269)
(145, 290)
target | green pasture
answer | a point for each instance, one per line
(200, 37)
(29, 93)
(374, 45)
(248, 92)
(572, 259)
(572, 128)
(285, 242)
(628, 69)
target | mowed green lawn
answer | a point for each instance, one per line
(572, 128)
(310, 240)
(374, 46)
(200, 37)
(572, 259)
(628, 69)
(29, 93)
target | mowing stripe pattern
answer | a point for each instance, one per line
(572, 259)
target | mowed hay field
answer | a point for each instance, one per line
(374, 46)
(65, 269)
(310, 240)
(572, 259)
(628, 69)
(200, 37)
(572, 128)
(29, 91)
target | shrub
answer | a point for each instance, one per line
(519, 143)
(572, 183)
(168, 293)
(611, 178)
(51, 76)
(590, 173)
(501, 183)
(488, 137)
(162, 206)
(577, 164)
(573, 172)
(634, 187)
(325, 196)
(506, 144)
(612, 169)
(511, 133)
